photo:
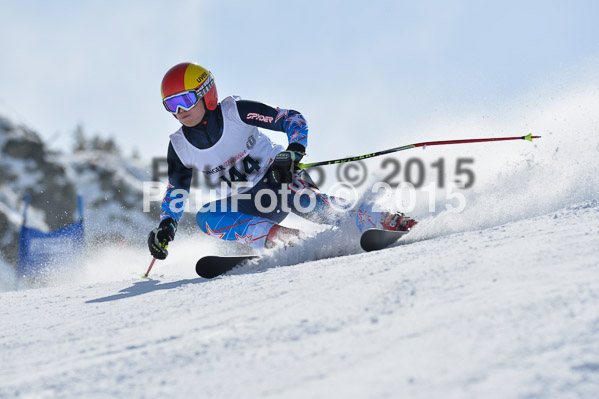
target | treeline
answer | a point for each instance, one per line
(82, 142)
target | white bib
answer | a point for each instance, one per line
(243, 153)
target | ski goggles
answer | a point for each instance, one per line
(188, 99)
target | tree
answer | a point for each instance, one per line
(79, 140)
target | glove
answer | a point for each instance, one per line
(284, 166)
(159, 238)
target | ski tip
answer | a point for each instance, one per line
(212, 266)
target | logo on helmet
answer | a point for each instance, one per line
(202, 77)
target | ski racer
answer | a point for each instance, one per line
(222, 141)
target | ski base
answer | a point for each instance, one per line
(377, 239)
(214, 265)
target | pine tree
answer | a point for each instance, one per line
(80, 141)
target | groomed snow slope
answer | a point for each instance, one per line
(498, 301)
(494, 313)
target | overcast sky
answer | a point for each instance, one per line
(363, 74)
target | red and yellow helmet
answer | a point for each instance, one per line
(186, 77)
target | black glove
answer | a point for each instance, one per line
(285, 164)
(160, 237)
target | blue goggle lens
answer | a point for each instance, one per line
(184, 100)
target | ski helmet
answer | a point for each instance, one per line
(188, 76)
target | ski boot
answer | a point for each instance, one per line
(281, 235)
(397, 221)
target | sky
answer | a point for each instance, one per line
(364, 76)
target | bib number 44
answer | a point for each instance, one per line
(249, 165)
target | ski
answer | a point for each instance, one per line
(213, 266)
(376, 239)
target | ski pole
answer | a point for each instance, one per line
(528, 137)
(150, 268)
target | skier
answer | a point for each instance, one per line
(222, 141)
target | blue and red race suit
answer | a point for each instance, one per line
(248, 224)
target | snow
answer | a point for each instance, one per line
(8, 278)
(497, 301)
(497, 312)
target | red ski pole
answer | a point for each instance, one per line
(528, 137)
(150, 268)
